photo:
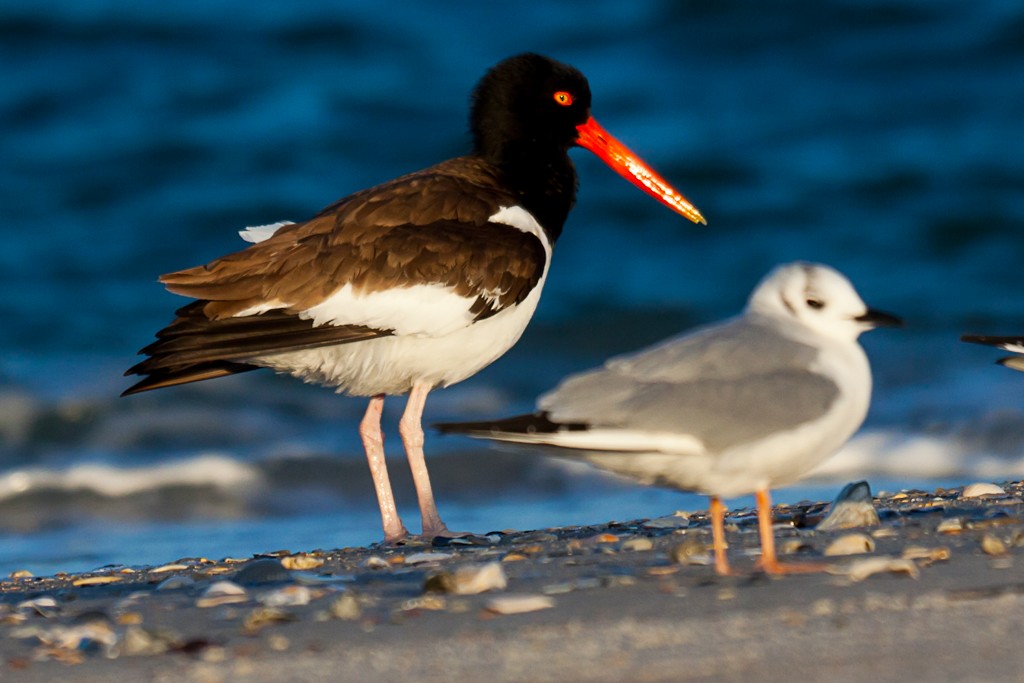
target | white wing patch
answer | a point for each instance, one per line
(258, 233)
(429, 310)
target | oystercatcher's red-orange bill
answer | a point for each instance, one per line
(596, 139)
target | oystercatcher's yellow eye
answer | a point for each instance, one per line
(563, 98)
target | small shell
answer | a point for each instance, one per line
(469, 580)
(859, 570)
(852, 508)
(953, 525)
(518, 604)
(851, 544)
(679, 520)
(288, 596)
(982, 489)
(926, 555)
(301, 561)
(168, 568)
(638, 544)
(20, 574)
(222, 593)
(96, 580)
(376, 562)
(346, 607)
(423, 558)
(690, 551)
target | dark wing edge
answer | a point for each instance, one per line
(195, 348)
(532, 423)
(990, 340)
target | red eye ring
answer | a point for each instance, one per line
(563, 98)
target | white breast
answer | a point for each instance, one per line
(435, 338)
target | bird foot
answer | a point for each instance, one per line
(776, 567)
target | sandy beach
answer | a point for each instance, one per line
(937, 594)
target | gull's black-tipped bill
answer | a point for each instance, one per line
(877, 318)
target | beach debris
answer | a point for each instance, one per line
(173, 567)
(264, 616)
(346, 607)
(92, 631)
(951, 526)
(468, 580)
(858, 570)
(514, 557)
(424, 558)
(677, 520)
(44, 606)
(978, 489)
(428, 601)
(926, 556)
(637, 544)
(20, 574)
(851, 544)
(582, 583)
(288, 596)
(301, 561)
(97, 580)
(518, 603)
(993, 545)
(852, 508)
(142, 642)
(222, 593)
(690, 551)
(262, 570)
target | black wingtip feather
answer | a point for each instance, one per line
(532, 423)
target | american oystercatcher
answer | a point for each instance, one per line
(416, 283)
(738, 407)
(1011, 344)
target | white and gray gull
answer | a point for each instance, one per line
(741, 406)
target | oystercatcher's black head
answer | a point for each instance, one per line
(527, 111)
(528, 101)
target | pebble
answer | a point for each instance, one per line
(20, 574)
(851, 544)
(44, 606)
(993, 545)
(979, 489)
(263, 570)
(175, 582)
(691, 551)
(518, 603)
(852, 508)
(262, 617)
(926, 555)
(469, 579)
(175, 567)
(142, 642)
(346, 607)
(430, 601)
(376, 562)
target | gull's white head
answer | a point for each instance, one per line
(818, 297)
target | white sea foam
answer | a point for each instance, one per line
(896, 455)
(219, 471)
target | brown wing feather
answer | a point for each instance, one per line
(425, 227)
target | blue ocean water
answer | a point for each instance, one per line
(881, 137)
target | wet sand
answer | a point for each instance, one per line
(633, 601)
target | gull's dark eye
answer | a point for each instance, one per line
(815, 303)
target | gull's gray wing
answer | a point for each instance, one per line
(725, 385)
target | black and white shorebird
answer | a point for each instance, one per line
(741, 406)
(417, 283)
(1013, 344)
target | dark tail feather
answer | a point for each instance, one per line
(988, 340)
(533, 423)
(159, 379)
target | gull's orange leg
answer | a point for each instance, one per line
(717, 510)
(769, 562)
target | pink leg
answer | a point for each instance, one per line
(373, 442)
(411, 429)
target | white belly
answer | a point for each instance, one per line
(391, 365)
